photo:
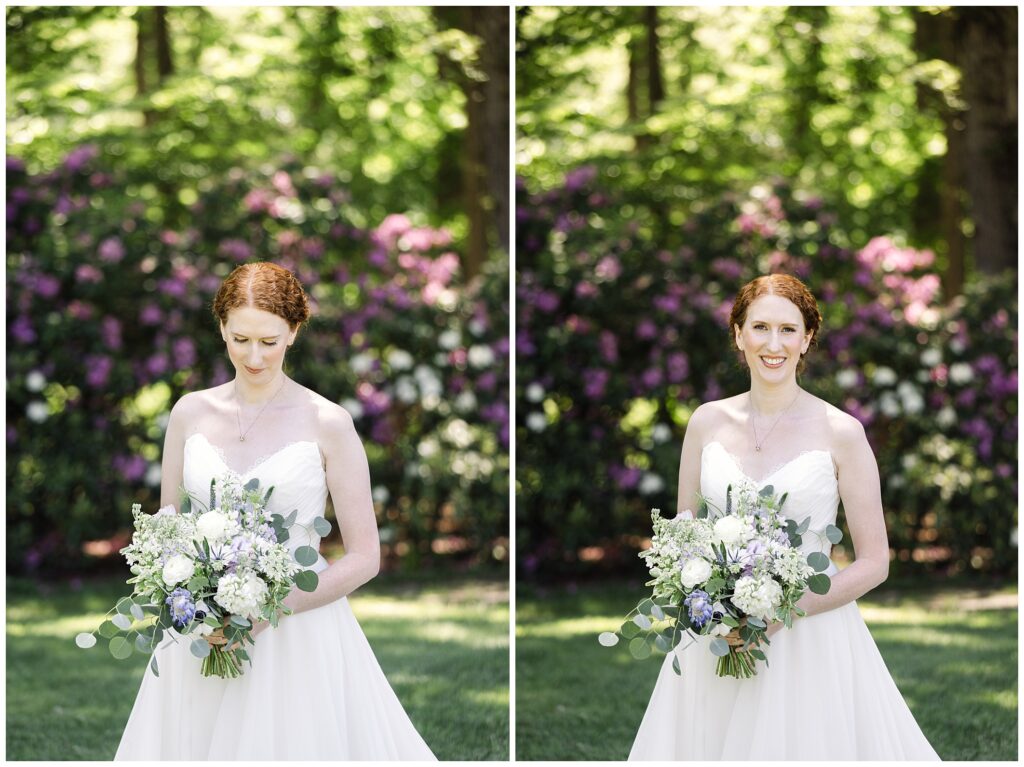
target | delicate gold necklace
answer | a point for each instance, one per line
(238, 412)
(758, 444)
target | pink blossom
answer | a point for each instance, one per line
(150, 314)
(258, 201)
(646, 330)
(609, 346)
(131, 468)
(157, 364)
(608, 268)
(111, 250)
(22, 330)
(47, 285)
(678, 367)
(282, 182)
(97, 370)
(88, 273)
(80, 310)
(594, 382)
(391, 228)
(667, 304)
(235, 248)
(111, 329)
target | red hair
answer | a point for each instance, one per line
(784, 286)
(265, 286)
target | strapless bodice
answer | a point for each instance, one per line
(809, 478)
(294, 471)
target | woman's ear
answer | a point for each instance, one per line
(738, 335)
(224, 332)
(807, 342)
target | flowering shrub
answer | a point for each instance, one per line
(109, 322)
(621, 331)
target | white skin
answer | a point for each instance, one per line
(774, 328)
(275, 411)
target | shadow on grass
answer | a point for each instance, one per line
(576, 700)
(447, 661)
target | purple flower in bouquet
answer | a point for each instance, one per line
(698, 605)
(753, 553)
(183, 609)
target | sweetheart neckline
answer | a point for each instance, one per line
(764, 480)
(219, 452)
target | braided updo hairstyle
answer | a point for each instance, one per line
(784, 286)
(265, 286)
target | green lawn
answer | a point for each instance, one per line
(443, 644)
(951, 651)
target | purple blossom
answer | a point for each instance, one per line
(625, 477)
(608, 269)
(78, 158)
(184, 352)
(183, 609)
(111, 330)
(546, 301)
(150, 314)
(88, 273)
(609, 346)
(234, 248)
(646, 329)
(131, 468)
(22, 330)
(594, 382)
(698, 605)
(97, 370)
(111, 250)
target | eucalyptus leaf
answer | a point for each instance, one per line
(200, 647)
(675, 665)
(123, 622)
(642, 621)
(802, 527)
(321, 527)
(657, 613)
(306, 580)
(714, 585)
(240, 622)
(154, 667)
(290, 519)
(143, 644)
(702, 509)
(266, 498)
(756, 622)
(662, 643)
(85, 640)
(137, 613)
(758, 654)
(186, 508)
(120, 648)
(834, 534)
(252, 484)
(767, 491)
(818, 561)
(124, 605)
(283, 535)
(729, 621)
(242, 654)
(306, 556)
(608, 639)
(719, 647)
(645, 606)
(639, 648)
(212, 620)
(819, 584)
(628, 629)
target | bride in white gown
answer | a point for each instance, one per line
(314, 689)
(826, 694)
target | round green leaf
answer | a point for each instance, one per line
(819, 584)
(645, 607)
(200, 648)
(120, 648)
(628, 629)
(143, 643)
(756, 622)
(306, 580)
(834, 534)
(729, 621)
(306, 556)
(124, 605)
(719, 647)
(608, 639)
(802, 527)
(639, 648)
(123, 622)
(85, 640)
(657, 613)
(108, 630)
(642, 621)
(663, 643)
(321, 527)
(137, 612)
(818, 561)
(240, 622)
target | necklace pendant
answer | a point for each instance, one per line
(242, 439)
(757, 448)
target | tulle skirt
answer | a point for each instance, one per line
(827, 695)
(314, 691)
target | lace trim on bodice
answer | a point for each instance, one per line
(259, 461)
(775, 469)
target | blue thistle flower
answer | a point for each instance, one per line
(698, 605)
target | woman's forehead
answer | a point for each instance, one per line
(248, 320)
(775, 308)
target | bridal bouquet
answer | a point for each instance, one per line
(209, 573)
(724, 574)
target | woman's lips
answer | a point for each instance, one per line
(775, 362)
(251, 370)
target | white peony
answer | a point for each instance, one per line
(694, 572)
(730, 531)
(213, 526)
(759, 597)
(242, 594)
(177, 569)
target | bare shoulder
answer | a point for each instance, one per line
(846, 433)
(194, 404)
(334, 423)
(708, 416)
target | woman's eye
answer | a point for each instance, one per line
(270, 343)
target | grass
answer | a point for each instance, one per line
(442, 643)
(951, 651)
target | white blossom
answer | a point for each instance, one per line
(534, 392)
(353, 406)
(35, 381)
(465, 402)
(661, 433)
(846, 379)
(945, 417)
(931, 357)
(961, 373)
(361, 363)
(536, 422)
(177, 569)
(37, 411)
(480, 356)
(449, 339)
(651, 483)
(399, 359)
(884, 376)
(694, 572)
(406, 391)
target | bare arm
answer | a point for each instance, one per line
(860, 490)
(173, 461)
(689, 463)
(348, 480)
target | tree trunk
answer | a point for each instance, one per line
(141, 50)
(988, 39)
(164, 62)
(494, 33)
(655, 83)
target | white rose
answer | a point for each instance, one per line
(212, 525)
(730, 531)
(177, 569)
(694, 572)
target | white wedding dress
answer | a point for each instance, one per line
(827, 694)
(314, 690)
